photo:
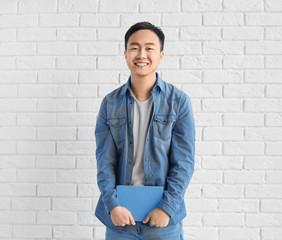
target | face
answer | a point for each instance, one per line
(143, 47)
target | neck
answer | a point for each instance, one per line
(142, 86)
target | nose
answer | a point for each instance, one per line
(142, 53)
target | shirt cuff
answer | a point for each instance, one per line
(167, 208)
(109, 205)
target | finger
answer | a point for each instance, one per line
(132, 221)
(147, 219)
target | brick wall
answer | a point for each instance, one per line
(59, 58)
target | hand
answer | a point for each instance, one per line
(121, 216)
(159, 218)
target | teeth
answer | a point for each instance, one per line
(141, 64)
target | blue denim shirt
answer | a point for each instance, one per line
(169, 148)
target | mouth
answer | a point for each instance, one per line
(141, 65)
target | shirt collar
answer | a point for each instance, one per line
(160, 83)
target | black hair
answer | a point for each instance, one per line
(144, 25)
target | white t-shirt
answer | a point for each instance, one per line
(140, 115)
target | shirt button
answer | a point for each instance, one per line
(147, 179)
(117, 123)
(128, 183)
(165, 120)
(130, 102)
(148, 139)
(130, 162)
(130, 142)
(146, 159)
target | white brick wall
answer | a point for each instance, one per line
(59, 58)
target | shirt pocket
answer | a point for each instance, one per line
(163, 125)
(118, 128)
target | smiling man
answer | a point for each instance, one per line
(145, 136)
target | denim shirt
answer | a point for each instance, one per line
(168, 154)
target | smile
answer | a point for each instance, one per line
(140, 65)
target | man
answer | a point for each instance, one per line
(145, 135)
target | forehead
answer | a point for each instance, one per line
(144, 36)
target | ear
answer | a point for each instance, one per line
(161, 56)
(125, 54)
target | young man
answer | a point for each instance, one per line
(145, 135)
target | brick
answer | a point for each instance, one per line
(271, 233)
(263, 191)
(175, 76)
(200, 33)
(55, 162)
(238, 205)
(17, 217)
(274, 62)
(56, 189)
(263, 162)
(222, 162)
(70, 6)
(56, 218)
(243, 62)
(242, 33)
(274, 177)
(106, 76)
(264, 105)
(274, 119)
(35, 147)
(30, 231)
(243, 177)
(274, 148)
(17, 21)
(222, 76)
(243, 148)
(241, 5)
(201, 62)
(30, 204)
(78, 147)
(222, 191)
(7, 35)
(115, 62)
(73, 231)
(76, 34)
(76, 176)
(37, 91)
(57, 76)
(37, 6)
(261, 19)
(242, 91)
(208, 148)
(182, 48)
(265, 48)
(36, 176)
(59, 20)
(204, 176)
(75, 119)
(36, 62)
(111, 34)
(271, 205)
(58, 133)
(17, 49)
(71, 204)
(183, 19)
(222, 105)
(8, 6)
(127, 20)
(203, 90)
(223, 219)
(114, 6)
(76, 62)
(99, 20)
(36, 119)
(97, 48)
(223, 19)
(17, 105)
(240, 233)
(159, 6)
(201, 6)
(263, 219)
(273, 33)
(223, 133)
(263, 76)
(56, 48)
(74, 91)
(17, 133)
(267, 134)
(224, 48)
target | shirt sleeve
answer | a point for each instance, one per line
(106, 159)
(181, 158)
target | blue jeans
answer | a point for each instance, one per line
(145, 232)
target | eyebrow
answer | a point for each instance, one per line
(135, 43)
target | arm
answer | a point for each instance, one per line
(181, 158)
(106, 159)
(106, 169)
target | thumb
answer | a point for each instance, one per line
(147, 218)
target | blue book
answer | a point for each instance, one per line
(139, 200)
